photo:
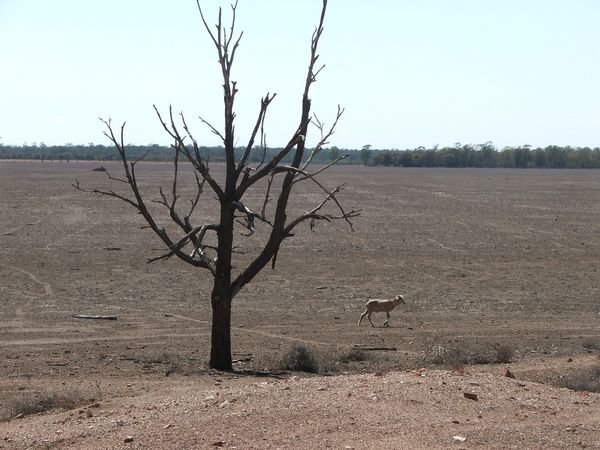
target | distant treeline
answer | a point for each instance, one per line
(458, 155)
(152, 152)
(486, 155)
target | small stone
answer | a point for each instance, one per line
(458, 438)
(128, 439)
(224, 404)
(570, 360)
(471, 396)
(509, 374)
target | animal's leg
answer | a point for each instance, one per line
(369, 317)
(387, 322)
(362, 316)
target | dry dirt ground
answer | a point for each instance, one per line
(484, 258)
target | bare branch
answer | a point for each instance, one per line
(138, 203)
(267, 194)
(324, 135)
(176, 248)
(212, 128)
(264, 104)
(212, 36)
(313, 214)
(249, 216)
(199, 190)
(109, 193)
(194, 159)
(322, 169)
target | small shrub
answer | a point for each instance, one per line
(587, 380)
(452, 358)
(300, 358)
(479, 357)
(353, 355)
(591, 344)
(35, 403)
(504, 354)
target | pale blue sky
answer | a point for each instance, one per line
(409, 73)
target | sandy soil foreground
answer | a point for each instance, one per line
(417, 409)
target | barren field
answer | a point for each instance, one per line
(486, 259)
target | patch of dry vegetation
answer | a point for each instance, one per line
(300, 358)
(38, 402)
(464, 354)
(586, 379)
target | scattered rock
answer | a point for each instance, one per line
(459, 438)
(128, 439)
(509, 374)
(471, 396)
(218, 444)
(570, 360)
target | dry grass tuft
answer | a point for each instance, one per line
(504, 354)
(300, 358)
(585, 380)
(352, 355)
(39, 402)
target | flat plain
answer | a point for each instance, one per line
(484, 258)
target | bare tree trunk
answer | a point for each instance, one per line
(222, 295)
(220, 351)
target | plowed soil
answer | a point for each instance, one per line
(486, 259)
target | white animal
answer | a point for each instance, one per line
(376, 305)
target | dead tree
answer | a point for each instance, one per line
(192, 244)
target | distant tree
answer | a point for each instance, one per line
(539, 158)
(333, 153)
(386, 159)
(488, 154)
(522, 156)
(365, 154)
(556, 156)
(405, 159)
(210, 244)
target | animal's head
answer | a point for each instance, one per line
(399, 299)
